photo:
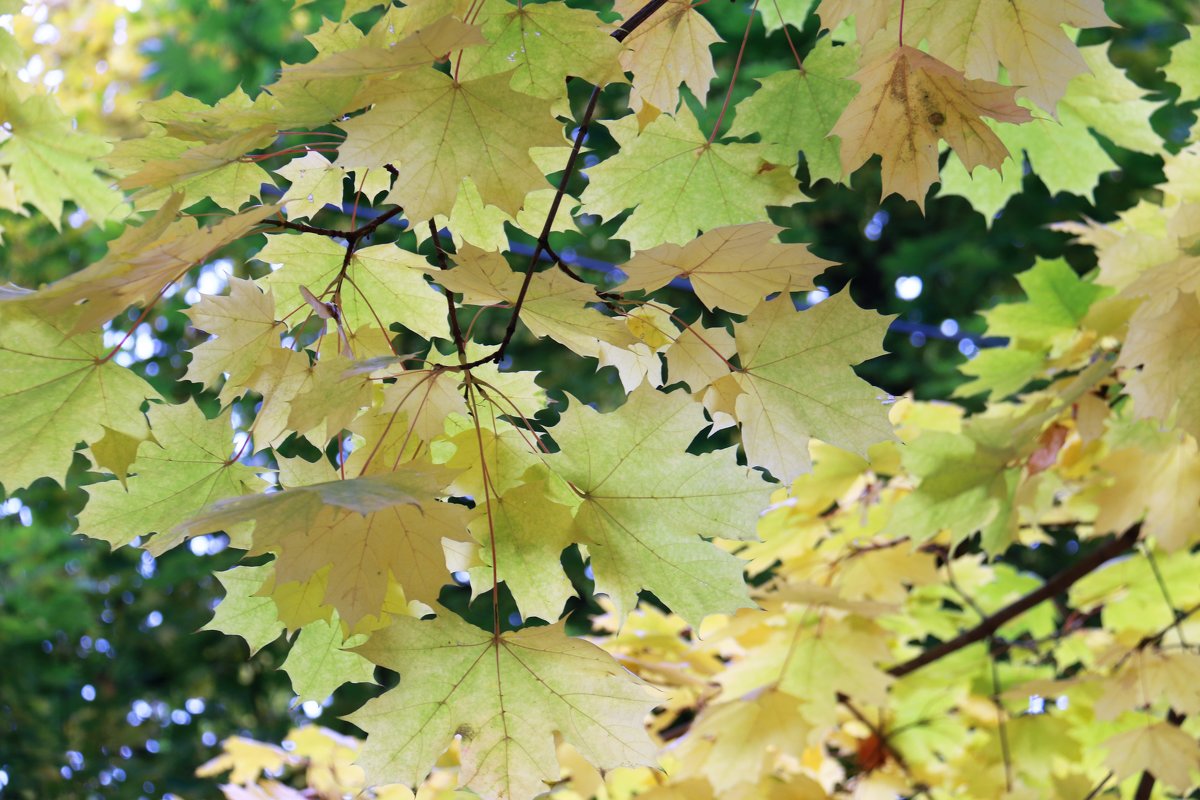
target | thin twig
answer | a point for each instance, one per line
(460, 343)
(1099, 786)
(626, 28)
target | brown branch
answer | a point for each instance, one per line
(300, 226)
(1053, 586)
(350, 236)
(369, 228)
(627, 27)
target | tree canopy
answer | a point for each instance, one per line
(549, 414)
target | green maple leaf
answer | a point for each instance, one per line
(540, 45)
(50, 163)
(187, 466)
(383, 284)
(243, 328)
(796, 109)
(1003, 371)
(1058, 301)
(777, 13)
(1184, 67)
(142, 263)
(321, 660)
(57, 391)
(164, 166)
(506, 696)
(642, 519)
(796, 382)
(531, 530)
(677, 183)
(966, 485)
(243, 612)
(1063, 152)
(438, 131)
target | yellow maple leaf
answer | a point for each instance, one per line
(908, 102)
(1025, 36)
(372, 530)
(668, 49)
(505, 696)
(734, 267)
(438, 131)
(1161, 749)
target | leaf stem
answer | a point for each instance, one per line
(787, 35)
(737, 66)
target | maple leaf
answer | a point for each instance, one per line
(243, 327)
(777, 13)
(50, 163)
(539, 45)
(908, 102)
(642, 521)
(1184, 67)
(670, 49)
(56, 391)
(381, 284)
(322, 659)
(1161, 749)
(679, 183)
(1025, 36)
(371, 58)
(700, 356)
(315, 184)
(242, 612)
(1165, 345)
(1148, 676)
(796, 382)
(732, 742)
(1159, 486)
(530, 530)
(372, 530)
(438, 131)
(811, 100)
(506, 696)
(733, 268)
(815, 664)
(189, 464)
(219, 171)
(965, 486)
(328, 399)
(1058, 300)
(142, 263)
(1102, 100)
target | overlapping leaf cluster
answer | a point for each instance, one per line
(798, 657)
